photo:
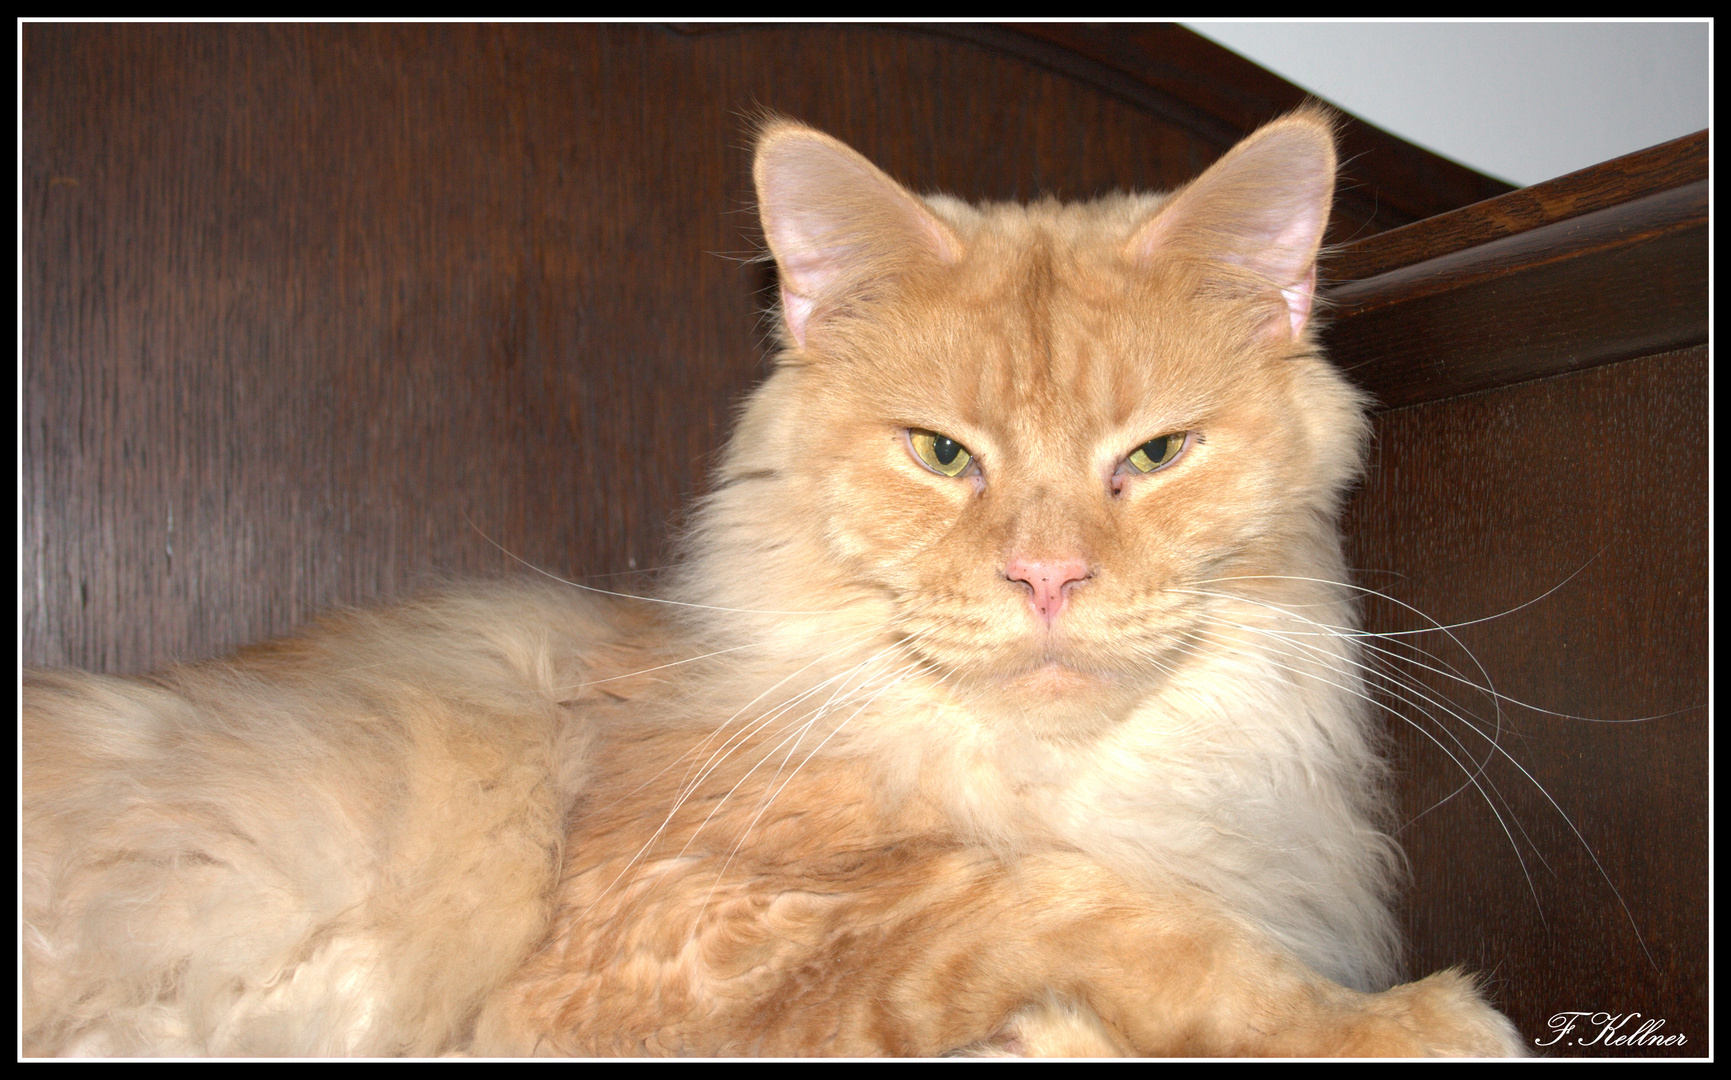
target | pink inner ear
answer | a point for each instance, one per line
(834, 221)
(796, 311)
(1262, 207)
(1298, 300)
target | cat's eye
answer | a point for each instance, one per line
(939, 453)
(1157, 453)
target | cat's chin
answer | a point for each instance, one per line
(1055, 699)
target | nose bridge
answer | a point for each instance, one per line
(1054, 516)
(1049, 526)
(1051, 501)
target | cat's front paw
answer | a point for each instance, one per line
(1052, 1027)
(1444, 1015)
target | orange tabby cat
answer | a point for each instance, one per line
(1005, 701)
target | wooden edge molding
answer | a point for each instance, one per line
(1657, 168)
(1599, 266)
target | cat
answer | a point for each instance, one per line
(1004, 700)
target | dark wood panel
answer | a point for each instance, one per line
(1560, 527)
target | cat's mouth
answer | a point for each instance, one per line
(1054, 698)
(1053, 673)
(1035, 669)
(1056, 678)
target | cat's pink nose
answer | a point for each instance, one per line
(1048, 581)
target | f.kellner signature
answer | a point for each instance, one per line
(1609, 1029)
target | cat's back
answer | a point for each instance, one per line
(225, 857)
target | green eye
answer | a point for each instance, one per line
(1156, 453)
(939, 453)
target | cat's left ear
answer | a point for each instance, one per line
(1260, 209)
(839, 228)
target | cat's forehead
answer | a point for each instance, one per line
(1047, 315)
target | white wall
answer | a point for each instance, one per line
(1523, 101)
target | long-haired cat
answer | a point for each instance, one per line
(1005, 701)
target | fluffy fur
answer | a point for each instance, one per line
(1052, 756)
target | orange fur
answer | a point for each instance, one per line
(1057, 755)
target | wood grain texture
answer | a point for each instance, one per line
(1560, 527)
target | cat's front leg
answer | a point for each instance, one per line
(1124, 972)
(1442, 1015)
(1303, 1015)
(943, 951)
(1056, 1028)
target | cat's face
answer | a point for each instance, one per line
(1047, 435)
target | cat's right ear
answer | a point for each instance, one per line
(837, 226)
(1261, 209)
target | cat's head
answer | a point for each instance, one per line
(1030, 442)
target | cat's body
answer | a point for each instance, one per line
(1004, 701)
